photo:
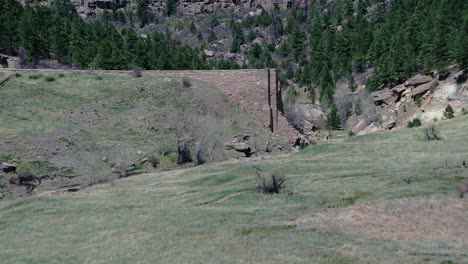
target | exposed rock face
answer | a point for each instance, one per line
(422, 89)
(7, 167)
(361, 125)
(189, 7)
(418, 80)
(383, 97)
(370, 129)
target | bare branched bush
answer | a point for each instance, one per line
(367, 108)
(344, 102)
(137, 72)
(186, 82)
(294, 116)
(291, 112)
(431, 132)
(199, 138)
(183, 151)
(271, 182)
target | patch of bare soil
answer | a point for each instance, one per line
(402, 220)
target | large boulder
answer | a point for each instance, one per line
(240, 146)
(422, 89)
(208, 53)
(398, 90)
(7, 167)
(418, 80)
(390, 124)
(383, 97)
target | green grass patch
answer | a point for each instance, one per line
(265, 229)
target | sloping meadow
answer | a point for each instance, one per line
(91, 126)
(380, 198)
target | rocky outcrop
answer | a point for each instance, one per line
(422, 89)
(360, 126)
(418, 80)
(383, 97)
(372, 128)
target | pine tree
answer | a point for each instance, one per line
(10, 12)
(449, 113)
(298, 43)
(171, 7)
(333, 119)
(143, 13)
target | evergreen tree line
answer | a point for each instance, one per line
(397, 38)
(38, 32)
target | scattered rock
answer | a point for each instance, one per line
(104, 159)
(301, 141)
(7, 167)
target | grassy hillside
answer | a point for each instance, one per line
(380, 198)
(84, 124)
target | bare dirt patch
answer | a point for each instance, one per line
(401, 220)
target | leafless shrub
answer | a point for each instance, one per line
(271, 183)
(431, 132)
(137, 72)
(291, 112)
(183, 151)
(344, 102)
(294, 116)
(26, 179)
(186, 82)
(366, 107)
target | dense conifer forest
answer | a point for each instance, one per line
(322, 43)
